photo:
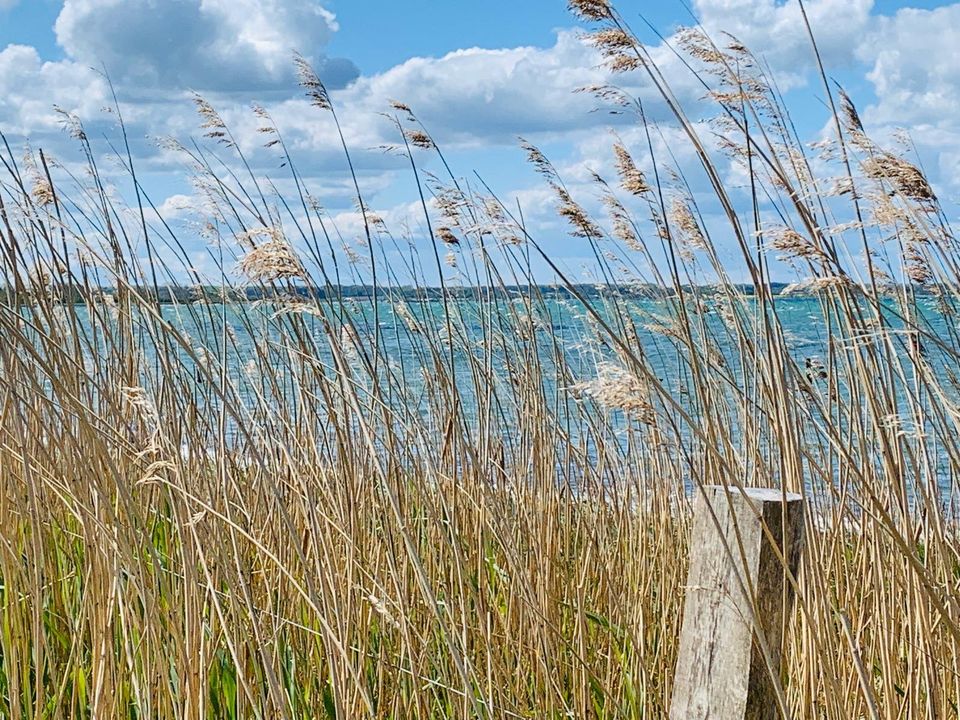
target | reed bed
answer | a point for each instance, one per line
(471, 501)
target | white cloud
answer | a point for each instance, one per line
(29, 87)
(916, 78)
(916, 67)
(479, 97)
(155, 50)
(775, 30)
(481, 93)
(470, 97)
(199, 44)
(911, 61)
(177, 206)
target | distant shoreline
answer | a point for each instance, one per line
(170, 295)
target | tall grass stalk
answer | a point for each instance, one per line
(473, 501)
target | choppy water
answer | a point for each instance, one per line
(556, 324)
(259, 338)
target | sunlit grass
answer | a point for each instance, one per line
(473, 504)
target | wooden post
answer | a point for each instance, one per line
(722, 672)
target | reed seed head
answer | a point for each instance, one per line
(270, 261)
(419, 139)
(905, 177)
(591, 10)
(583, 226)
(314, 88)
(631, 178)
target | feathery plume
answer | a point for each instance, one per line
(71, 123)
(42, 192)
(818, 284)
(682, 218)
(591, 10)
(915, 265)
(446, 236)
(216, 128)
(419, 139)
(273, 260)
(794, 245)
(631, 178)
(316, 91)
(850, 115)
(622, 227)
(615, 388)
(618, 47)
(402, 311)
(583, 226)
(539, 161)
(905, 177)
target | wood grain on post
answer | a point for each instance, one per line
(722, 672)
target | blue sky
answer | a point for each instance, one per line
(478, 73)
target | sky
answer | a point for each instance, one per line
(478, 74)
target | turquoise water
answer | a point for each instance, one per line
(270, 355)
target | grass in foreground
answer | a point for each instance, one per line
(323, 506)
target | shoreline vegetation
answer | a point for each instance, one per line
(275, 513)
(176, 294)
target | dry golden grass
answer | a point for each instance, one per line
(224, 509)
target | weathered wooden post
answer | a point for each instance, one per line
(737, 585)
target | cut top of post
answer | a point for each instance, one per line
(758, 494)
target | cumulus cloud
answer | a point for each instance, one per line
(478, 96)
(909, 58)
(177, 206)
(915, 68)
(776, 30)
(206, 45)
(470, 96)
(29, 87)
(482, 93)
(156, 50)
